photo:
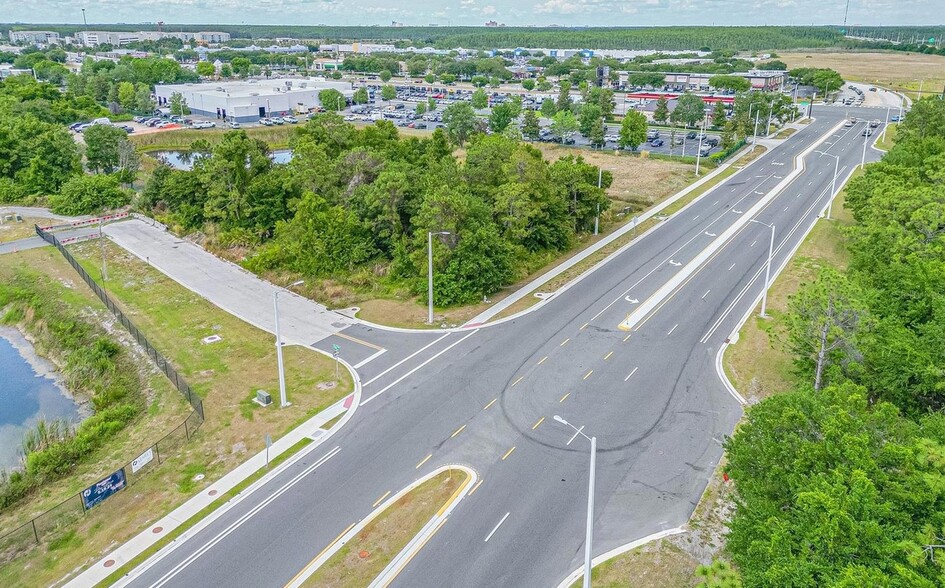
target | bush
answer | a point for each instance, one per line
(10, 191)
(721, 156)
(88, 194)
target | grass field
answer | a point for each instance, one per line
(888, 139)
(13, 230)
(892, 69)
(277, 137)
(225, 374)
(363, 558)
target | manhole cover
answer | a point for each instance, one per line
(157, 530)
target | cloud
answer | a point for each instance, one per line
(558, 7)
(488, 10)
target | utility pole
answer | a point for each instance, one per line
(101, 239)
(600, 175)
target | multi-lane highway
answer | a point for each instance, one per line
(630, 353)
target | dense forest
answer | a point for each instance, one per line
(662, 38)
(356, 205)
(841, 483)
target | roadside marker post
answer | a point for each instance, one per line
(336, 353)
(268, 445)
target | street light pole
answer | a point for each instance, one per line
(275, 303)
(699, 154)
(600, 175)
(866, 140)
(430, 273)
(592, 475)
(764, 298)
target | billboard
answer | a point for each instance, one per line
(142, 460)
(102, 489)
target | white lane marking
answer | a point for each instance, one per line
(753, 243)
(675, 263)
(785, 209)
(671, 330)
(696, 217)
(710, 234)
(631, 373)
(631, 300)
(737, 211)
(759, 192)
(714, 203)
(730, 267)
(401, 378)
(233, 526)
(706, 294)
(370, 358)
(424, 348)
(496, 528)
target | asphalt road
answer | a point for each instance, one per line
(485, 398)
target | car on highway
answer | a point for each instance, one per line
(874, 123)
(895, 118)
(850, 122)
(867, 132)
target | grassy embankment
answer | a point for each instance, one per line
(225, 374)
(758, 365)
(364, 557)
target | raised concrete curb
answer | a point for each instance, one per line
(578, 573)
(530, 287)
(138, 544)
(412, 548)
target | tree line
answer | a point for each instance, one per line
(356, 205)
(840, 482)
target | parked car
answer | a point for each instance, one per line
(266, 122)
(290, 119)
(204, 124)
(277, 120)
(656, 143)
(712, 141)
(233, 124)
(611, 138)
(691, 135)
(652, 134)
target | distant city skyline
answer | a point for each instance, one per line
(612, 13)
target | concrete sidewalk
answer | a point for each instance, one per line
(532, 286)
(162, 527)
(227, 285)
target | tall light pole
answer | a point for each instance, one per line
(699, 154)
(275, 303)
(430, 273)
(589, 531)
(833, 188)
(85, 36)
(600, 175)
(764, 299)
(866, 139)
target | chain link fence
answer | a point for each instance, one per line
(72, 509)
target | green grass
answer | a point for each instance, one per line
(181, 139)
(889, 139)
(202, 514)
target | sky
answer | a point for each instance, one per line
(477, 12)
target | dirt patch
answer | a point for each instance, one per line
(892, 69)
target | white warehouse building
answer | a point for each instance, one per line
(248, 101)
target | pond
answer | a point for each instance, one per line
(29, 391)
(181, 159)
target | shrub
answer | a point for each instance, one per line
(85, 194)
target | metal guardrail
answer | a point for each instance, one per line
(73, 508)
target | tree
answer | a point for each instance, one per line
(528, 84)
(126, 95)
(690, 109)
(206, 69)
(479, 99)
(501, 117)
(825, 320)
(530, 126)
(388, 93)
(564, 123)
(430, 78)
(548, 109)
(727, 82)
(332, 100)
(589, 117)
(241, 66)
(421, 108)
(646, 79)
(178, 104)
(102, 144)
(335, 75)
(385, 75)
(661, 113)
(633, 130)
(89, 194)
(431, 104)
(226, 71)
(564, 97)
(143, 101)
(774, 64)
(596, 135)
(719, 115)
(480, 81)
(360, 96)
(460, 121)
(448, 79)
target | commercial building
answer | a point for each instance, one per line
(360, 48)
(45, 37)
(761, 80)
(113, 38)
(118, 38)
(248, 101)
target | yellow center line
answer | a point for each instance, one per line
(566, 394)
(627, 337)
(587, 375)
(606, 357)
(540, 421)
(520, 378)
(476, 487)
(490, 403)
(565, 342)
(508, 453)
(542, 360)
(457, 431)
(381, 499)
(425, 459)
(584, 325)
